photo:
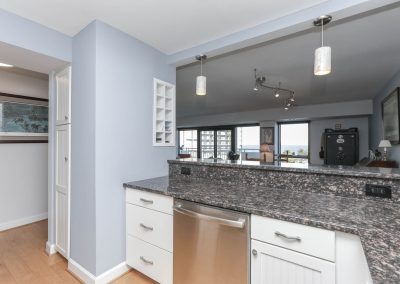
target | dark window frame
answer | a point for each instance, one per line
(231, 127)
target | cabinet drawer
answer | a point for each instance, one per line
(150, 200)
(152, 261)
(305, 239)
(151, 226)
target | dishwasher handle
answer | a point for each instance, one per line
(240, 223)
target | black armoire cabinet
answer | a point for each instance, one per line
(341, 146)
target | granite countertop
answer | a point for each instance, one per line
(376, 223)
(355, 171)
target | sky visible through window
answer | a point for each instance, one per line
(294, 138)
(248, 137)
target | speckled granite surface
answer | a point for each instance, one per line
(344, 181)
(353, 171)
(376, 222)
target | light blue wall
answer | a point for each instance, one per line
(21, 32)
(376, 118)
(83, 187)
(125, 68)
(111, 139)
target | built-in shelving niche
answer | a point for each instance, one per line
(164, 114)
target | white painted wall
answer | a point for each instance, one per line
(23, 167)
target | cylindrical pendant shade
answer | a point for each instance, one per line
(322, 61)
(201, 85)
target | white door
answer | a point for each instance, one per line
(63, 96)
(62, 195)
(275, 265)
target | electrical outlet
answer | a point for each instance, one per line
(185, 171)
(381, 191)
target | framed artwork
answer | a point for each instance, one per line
(23, 119)
(390, 117)
(267, 135)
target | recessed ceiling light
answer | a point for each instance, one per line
(5, 65)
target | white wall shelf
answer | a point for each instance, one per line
(164, 114)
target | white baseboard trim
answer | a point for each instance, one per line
(50, 248)
(23, 221)
(88, 278)
(112, 273)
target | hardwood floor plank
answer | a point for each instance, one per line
(5, 275)
(23, 260)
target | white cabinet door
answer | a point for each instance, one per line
(63, 94)
(62, 194)
(275, 265)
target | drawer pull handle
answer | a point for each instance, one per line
(146, 261)
(279, 234)
(146, 227)
(146, 201)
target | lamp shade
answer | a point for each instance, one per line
(322, 61)
(201, 85)
(385, 144)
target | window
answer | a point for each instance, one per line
(293, 142)
(188, 142)
(248, 142)
(216, 142)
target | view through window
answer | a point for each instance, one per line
(188, 142)
(294, 142)
(248, 142)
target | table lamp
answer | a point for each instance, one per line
(385, 144)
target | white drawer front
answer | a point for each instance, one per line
(311, 241)
(151, 226)
(150, 200)
(152, 261)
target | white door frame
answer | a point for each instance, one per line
(51, 237)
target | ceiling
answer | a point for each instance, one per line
(28, 60)
(193, 22)
(365, 56)
(25, 72)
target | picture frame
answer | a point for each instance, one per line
(23, 119)
(267, 135)
(390, 117)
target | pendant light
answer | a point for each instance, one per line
(201, 81)
(322, 57)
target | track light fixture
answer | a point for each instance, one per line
(260, 82)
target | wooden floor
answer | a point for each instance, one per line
(23, 259)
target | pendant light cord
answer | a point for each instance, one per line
(322, 32)
(201, 66)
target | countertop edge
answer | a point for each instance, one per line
(346, 171)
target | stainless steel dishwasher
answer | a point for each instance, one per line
(211, 245)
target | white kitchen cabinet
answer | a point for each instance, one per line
(271, 264)
(164, 114)
(62, 186)
(149, 228)
(304, 239)
(63, 96)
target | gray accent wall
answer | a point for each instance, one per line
(376, 118)
(111, 138)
